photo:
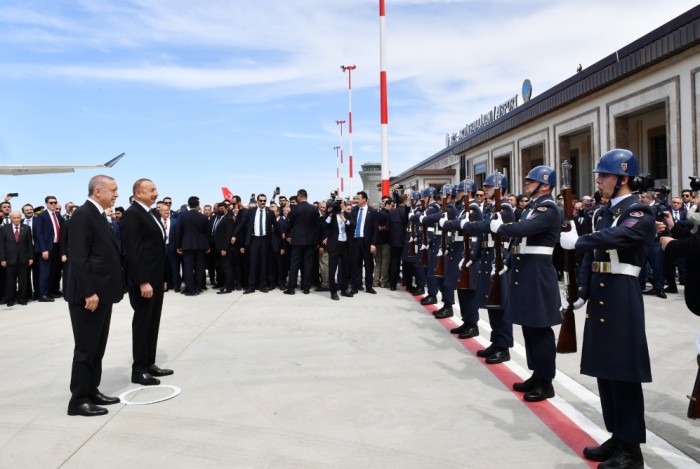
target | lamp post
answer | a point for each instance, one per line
(349, 69)
(384, 105)
(342, 189)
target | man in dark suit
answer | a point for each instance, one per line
(16, 256)
(47, 235)
(93, 285)
(143, 241)
(680, 217)
(223, 235)
(398, 221)
(33, 272)
(257, 244)
(336, 239)
(303, 233)
(172, 266)
(364, 243)
(192, 244)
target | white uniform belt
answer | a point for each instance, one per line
(459, 238)
(438, 232)
(430, 230)
(619, 268)
(543, 250)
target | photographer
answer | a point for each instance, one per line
(655, 256)
(337, 228)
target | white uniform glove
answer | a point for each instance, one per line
(442, 221)
(463, 222)
(694, 218)
(568, 239)
(469, 263)
(496, 223)
(502, 271)
(578, 304)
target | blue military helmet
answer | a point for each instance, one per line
(448, 190)
(543, 174)
(491, 181)
(429, 192)
(415, 195)
(467, 185)
(618, 161)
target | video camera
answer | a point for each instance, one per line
(694, 183)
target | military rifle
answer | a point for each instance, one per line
(493, 300)
(464, 270)
(694, 406)
(440, 266)
(567, 332)
(412, 241)
(424, 248)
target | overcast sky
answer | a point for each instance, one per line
(246, 94)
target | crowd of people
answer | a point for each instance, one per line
(479, 246)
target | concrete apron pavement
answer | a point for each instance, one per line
(271, 380)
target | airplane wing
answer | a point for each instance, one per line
(21, 170)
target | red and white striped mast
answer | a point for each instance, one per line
(342, 189)
(337, 169)
(349, 69)
(384, 105)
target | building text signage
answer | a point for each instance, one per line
(485, 119)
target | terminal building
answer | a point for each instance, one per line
(644, 98)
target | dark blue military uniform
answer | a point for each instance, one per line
(430, 220)
(501, 329)
(448, 282)
(533, 300)
(614, 341)
(419, 269)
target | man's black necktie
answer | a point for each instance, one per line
(260, 232)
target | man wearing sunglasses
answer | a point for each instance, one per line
(47, 236)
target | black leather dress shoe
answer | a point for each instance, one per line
(11, 303)
(322, 289)
(624, 458)
(459, 329)
(541, 392)
(100, 399)
(353, 291)
(418, 291)
(470, 331)
(334, 296)
(671, 290)
(22, 302)
(651, 291)
(392, 288)
(346, 293)
(154, 370)
(46, 299)
(289, 291)
(224, 291)
(144, 379)
(264, 290)
(307, 291)
(190, 293)
(527, 385)
(87, 409)
(249, 290)
(661, 295)
(445, 313)
(371, 290)
(601, 453)
(428, 300)
(487, 352)
(502, 355)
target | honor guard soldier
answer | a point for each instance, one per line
(501, 329)
(447, 282)
(614, 341)
(429, 220)
(410, 248)
(458, 257)
(421, 244)
(533, 301)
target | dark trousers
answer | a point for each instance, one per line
(50, 272)
(258, 254)
(145, 326)
(431, 280)
(90, 332)
(394, 265)
(541, 351)
(193, 269)
(211, 260)
(301, 255)
(501, 330)
(623, 409)
(173, 275)
(225, 271)
(16, 273)
(342, 253)
(360, 255)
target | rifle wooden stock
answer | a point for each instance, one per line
(567, 332)
(694, 406)
(424, 248)
(440, 266)
(493, 300)
(463, 283)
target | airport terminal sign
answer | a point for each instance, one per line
(485, 119)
